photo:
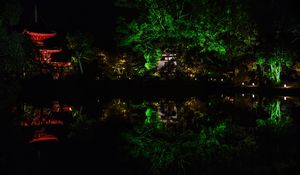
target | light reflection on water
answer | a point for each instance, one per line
(166, 135)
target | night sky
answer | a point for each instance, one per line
(95, 17)
(99, 17)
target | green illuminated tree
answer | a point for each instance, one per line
(164, 149)
(152, 117)
(272, 65)
(277, 119)
(212, 29)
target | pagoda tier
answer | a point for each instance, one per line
(38, 38)
(42, 136)
(65, 64)
(61, 69)
(46, 54)
(41, 122)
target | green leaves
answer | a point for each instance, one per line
(189, 25)
(277, 119)
(152, 58)
(80, 45)
(274, 63)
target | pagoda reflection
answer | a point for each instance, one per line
(43, 123)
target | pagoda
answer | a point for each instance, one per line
(44, 53)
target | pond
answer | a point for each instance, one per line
(236, 133)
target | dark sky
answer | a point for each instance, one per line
(99, 16)
(96, 17)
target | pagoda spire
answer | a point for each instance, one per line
(35, 14)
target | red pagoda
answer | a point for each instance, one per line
(38, 38)
(44, 55)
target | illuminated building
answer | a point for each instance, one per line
(44, 54)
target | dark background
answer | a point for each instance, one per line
(99, 17)
(95, 17)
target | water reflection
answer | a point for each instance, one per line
(209, 135)
(41, 121)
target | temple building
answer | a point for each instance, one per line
(166, 66)
(44, 52)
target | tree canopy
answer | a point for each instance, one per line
(11, 48)
(219, 28)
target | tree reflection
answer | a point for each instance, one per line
(178, 148)
(116, 108)
(277, 119)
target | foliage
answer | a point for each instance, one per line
(80, 44)
(116, 108)
(296, 67)
(272, 65)
(191, 70)
(12, 53)
(116, 67)
(168, 150)
(277, 119)
(152, 118)
(210, 27)
(80, 125)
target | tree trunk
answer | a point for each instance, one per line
(80, 66)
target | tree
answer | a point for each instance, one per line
(81, 46)
(12, 53)
(271, 66)
(277, 118)
(215, 30)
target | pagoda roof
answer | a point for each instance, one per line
(38, 38)
(42, 136)
(61, 64)
(51, 51)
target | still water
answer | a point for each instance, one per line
(237, 134)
